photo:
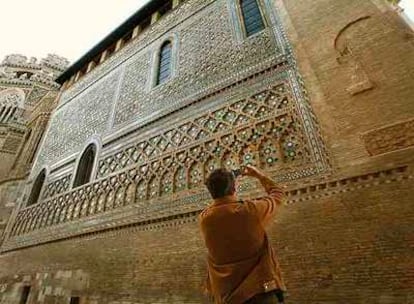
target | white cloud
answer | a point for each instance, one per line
(66, 28)
(408, 6)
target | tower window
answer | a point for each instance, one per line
(252, 18)
(85, 166)
(37, 188)
(25, 295)
(164, 66)
(74, 300)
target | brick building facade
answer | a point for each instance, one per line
(317, 93)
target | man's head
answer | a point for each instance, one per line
(220, 183)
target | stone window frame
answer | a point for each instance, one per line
(97, 142)
(155, 61)
(237, 19)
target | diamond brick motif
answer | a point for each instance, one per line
(176, 139)
(230, 116)
(136, 155)
(149, 150)
(162, 144)
(210, 124)
(221, 127)
(202, 134)
(193, 131)
(250, 108)
(185, 127)
(241, 120)
(180, 157)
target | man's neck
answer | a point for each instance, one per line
(226, 199)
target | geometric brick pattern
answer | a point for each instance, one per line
(262, 130)
(208, 126)
(57, 187)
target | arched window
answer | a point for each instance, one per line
(37, 188)
(85, 166)
(11, 105)
(252, 18)
(164, 63)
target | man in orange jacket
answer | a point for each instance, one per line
(242, 267)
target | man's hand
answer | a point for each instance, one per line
(266, 206)
(252, 171)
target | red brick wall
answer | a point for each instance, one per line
(380, 45)
(348, 248)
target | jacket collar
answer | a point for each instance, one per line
(229, 199)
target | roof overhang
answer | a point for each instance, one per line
(143, 13)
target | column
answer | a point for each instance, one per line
(118, 45)
(136, 31)
(103, 57)
(155, 17)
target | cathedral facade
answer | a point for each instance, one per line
(317, 93)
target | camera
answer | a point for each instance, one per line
(237, 172)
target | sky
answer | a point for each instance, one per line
(35, 28)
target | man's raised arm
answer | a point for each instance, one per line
(266, 206)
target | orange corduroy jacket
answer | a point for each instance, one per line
(241, 263)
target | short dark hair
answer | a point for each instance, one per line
(220, 183)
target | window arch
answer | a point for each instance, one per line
(11, 105)
(164, 62)
(252, 17)
(85, 166)
(37, 188)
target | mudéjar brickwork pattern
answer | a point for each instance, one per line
(270, 124)
(306, 99)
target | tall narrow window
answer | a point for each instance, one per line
(25, 295)
(37, 188)
(74, 300)
(253, 21)
(164, 67)
(85, 166)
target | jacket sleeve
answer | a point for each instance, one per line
(267, 206)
